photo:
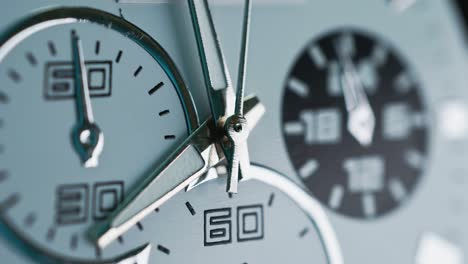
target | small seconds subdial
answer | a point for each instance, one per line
(89, 104)
(354, 124)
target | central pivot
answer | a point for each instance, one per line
(237, 132)
(235, 126)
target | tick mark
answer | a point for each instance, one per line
(169, 137)
(138, 70)
(298, 87)
(30, 219)
(119, 56)
(271, 199)
(336, 196)
(11, 201)
(155, 88)
(51, 234)
(97, 47)
(97, 251)
(52, 49)
(14, 75)
(303, 232)
(140, 226)
(3, 175)
(121, 13)
(74, 242)
(230, 195)
(3, 98)
(120, 239)
(30, 57)
(156, 210)
(164, 250)
(163, 113)
(190, 208)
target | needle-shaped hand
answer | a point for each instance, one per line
(186, 164)
(226, 109)
(236, 126)
(217, 78)
(87, 137)
(361, 118)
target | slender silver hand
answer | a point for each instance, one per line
(239, 110)
(191, 160)
(87, 137)
(361, 118)
(236, 126)
(217, 78)
(219, 87)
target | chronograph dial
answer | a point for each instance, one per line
(91, 91)
(355, 124)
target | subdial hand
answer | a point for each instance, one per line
(361, 118)
(87, 137)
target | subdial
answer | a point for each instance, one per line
(71, 76)
(355, 124)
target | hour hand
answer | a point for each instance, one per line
(185, 165)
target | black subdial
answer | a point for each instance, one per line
(354, 124)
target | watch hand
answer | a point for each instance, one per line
(87, 137)
(361, 118)
(239, 110)
(191, 160)
(217, 79)
(223, 102)
(236, 126)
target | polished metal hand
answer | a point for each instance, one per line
(192, 159)
(87, 137)
(236, 126)
(217, 78)
(225, 107)
(361, 118)
(140, 255)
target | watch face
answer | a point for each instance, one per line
(230, 131)
(352, 177)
